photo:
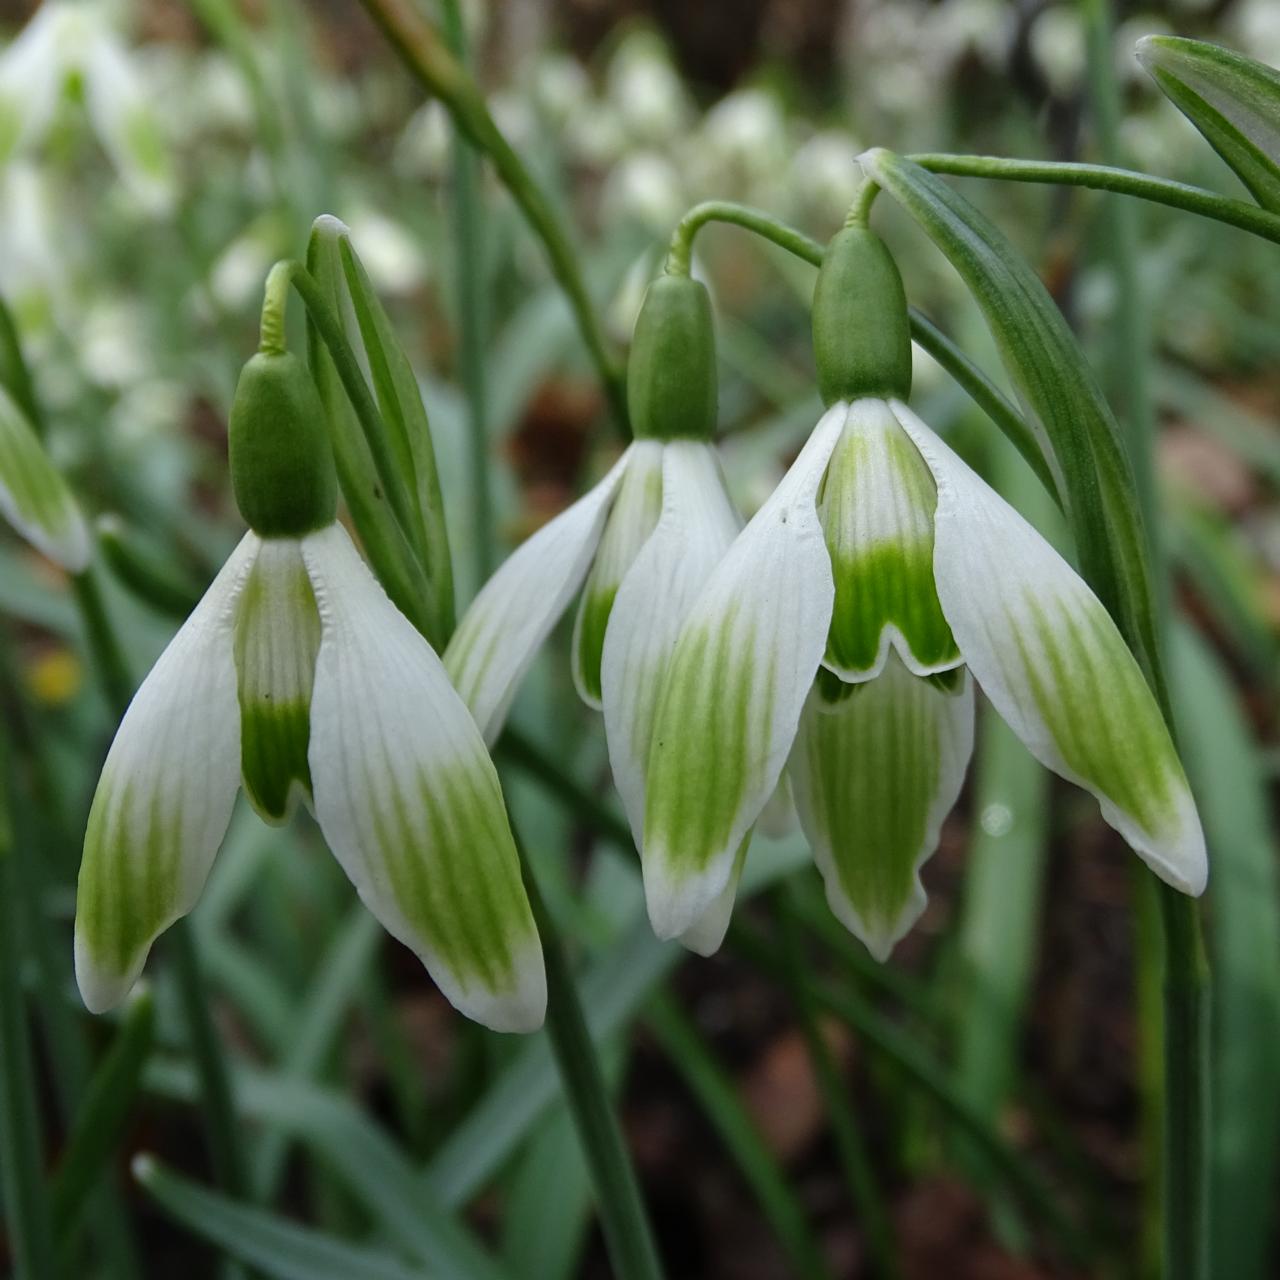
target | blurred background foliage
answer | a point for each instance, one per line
(979, 1108)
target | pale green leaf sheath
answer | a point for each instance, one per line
(873, 780)
(1053, 663)
(876, 506)
(1233, 101)
(164, 798)
(33, 496)
(697, 526)
(276, 639)
(501, 632)
(409, 801)
(733, 694)
(632, 519)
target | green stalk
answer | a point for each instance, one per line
(1182, 1094)
(22, 1176)
(622, 1213)
(984, 393)
(1097, 177)
(469, 231)
(859, 1174)
(206, 1049)
(439, 72)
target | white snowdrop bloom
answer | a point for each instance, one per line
(297, 678)
(840, 636)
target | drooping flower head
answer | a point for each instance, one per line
(839, 635)
(297, 676)
(639, 546)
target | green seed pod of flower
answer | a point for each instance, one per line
(861, 331)
(281, 460)
(671, 373)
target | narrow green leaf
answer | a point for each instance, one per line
(1231, 787)
(100, 1122)
(1046, 365)
(150, 576)
(385, 542)
(721, 1106)
(1233, 101)
(361, 1155)
(400, 400)
(274, 1245)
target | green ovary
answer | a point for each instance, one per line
(277, 639)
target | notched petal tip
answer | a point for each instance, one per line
(516, 1009)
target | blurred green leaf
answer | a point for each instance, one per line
(1233, 101)
(100, 1122)
(1230, 784)
(274, 1245)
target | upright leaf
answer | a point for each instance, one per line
(1233, 101)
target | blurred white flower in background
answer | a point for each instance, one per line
(390, 253)
(75, 42)
(825, 177)
(645, 188)
(559, 87)
(742, 146)
(423, 149)
(1058, 49)
(1255, 24)
(36, 250)
(646, 90)
(113, 342)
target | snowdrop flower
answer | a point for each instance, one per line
(643, 541)
(646, 89)
(841, 631)
(34, 498)
(296, 676)
(70, 40)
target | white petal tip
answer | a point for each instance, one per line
(677, 905)
(102, 989)
(520, 1009)
(329, 225)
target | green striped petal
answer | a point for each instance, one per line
(732, 697)
(34, 497)
(164, 798)
(877, 513)
(1051, 660)
(409, 801)
(276, 639)
(631, 520)
(697, 525)
(501, 633)
(873, 780)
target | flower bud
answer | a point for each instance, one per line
(861, 332)
(281, 460)
(671, 374)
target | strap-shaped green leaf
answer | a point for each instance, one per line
(385, 541)
(1233, 101)
(1046, 365)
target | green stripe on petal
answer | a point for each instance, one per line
(877, 514)
(165, 796)
(1053, 663)
(409, 801)
(632, 519)
(697, 525)
(34, 497)
(500, 634)
(732, 698)
(873, 781)
(276, 641)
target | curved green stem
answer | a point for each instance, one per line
(1098, 177)
(424, 52)
(984, 393)
(680, 253)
